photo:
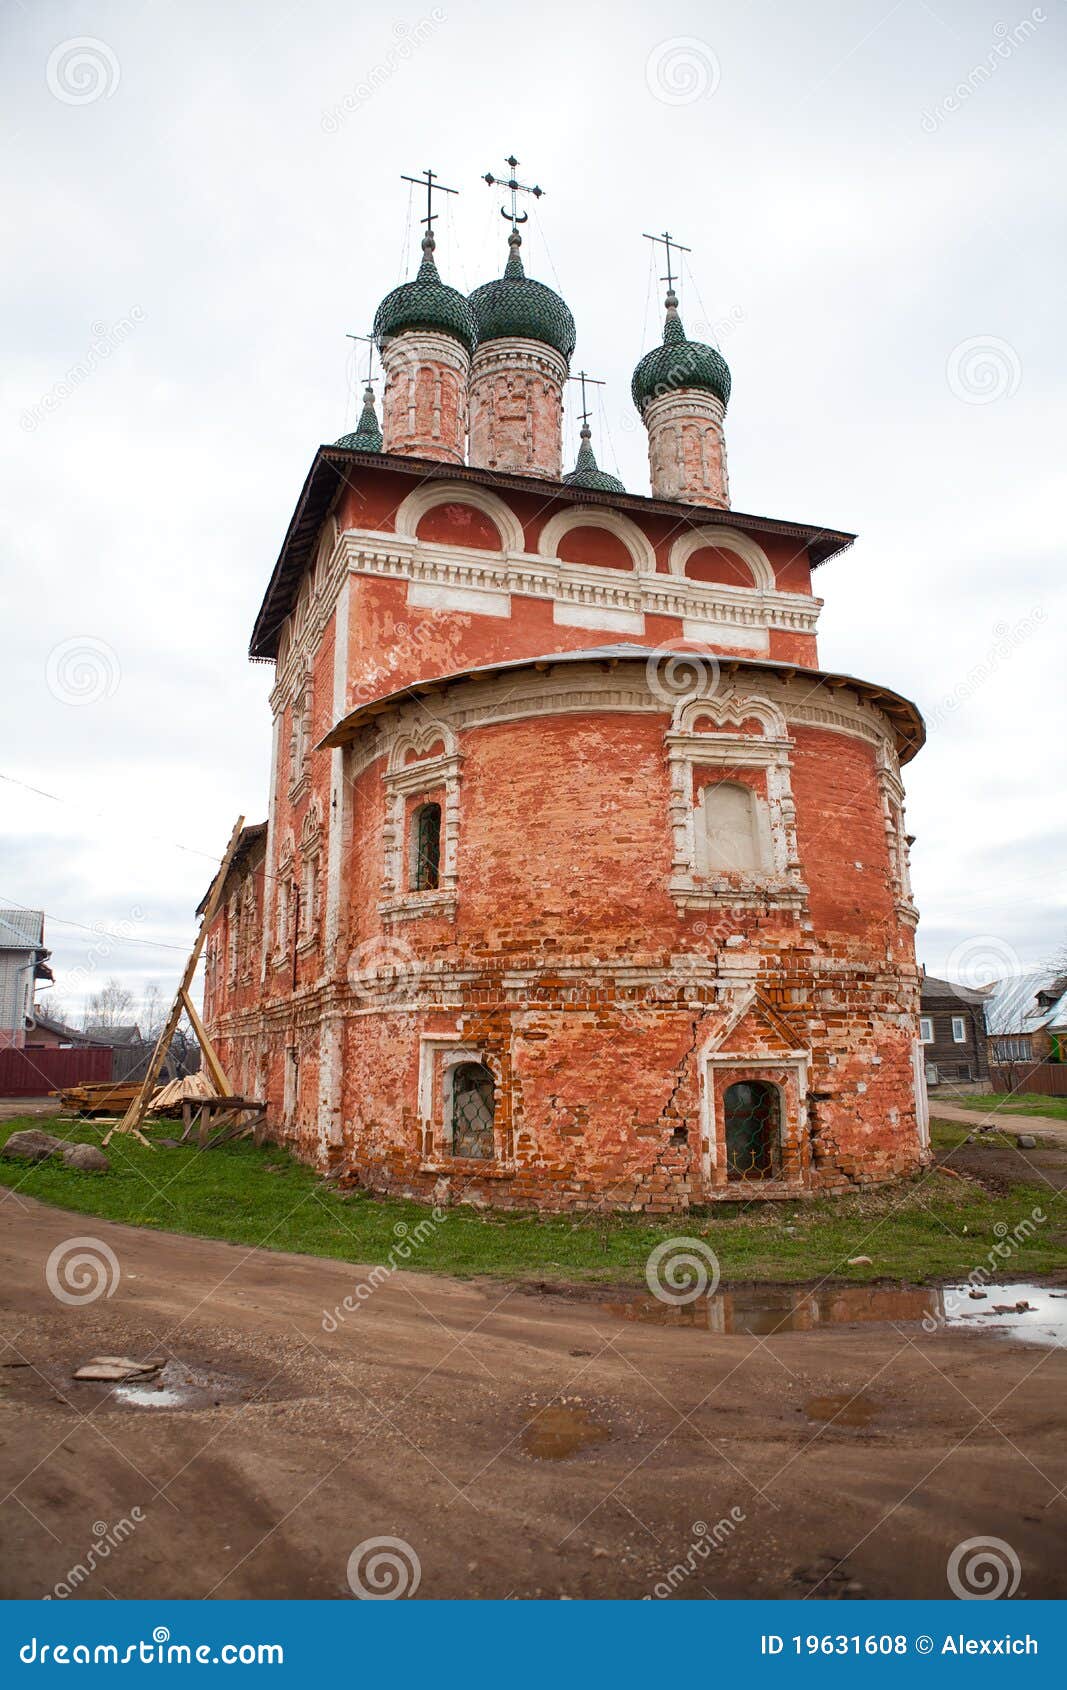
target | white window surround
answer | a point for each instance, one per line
(440, 1054)
(959, 1030)
(729, 749)
(404, 780)
(763, 1065)
(926, 1029)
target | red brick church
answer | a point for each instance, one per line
(582, 885)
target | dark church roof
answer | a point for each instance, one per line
(334, 465)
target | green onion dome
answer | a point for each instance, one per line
(679, 365)
(426, 303)
(368, 435)
(514, 306)
(586, 472)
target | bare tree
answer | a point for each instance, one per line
(153, 1012)
(110, 1007)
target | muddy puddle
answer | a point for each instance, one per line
(175, 1385)
(557, 1432)
(178, 1385)
(765, 1310)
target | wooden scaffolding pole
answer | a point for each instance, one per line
(131, 1121)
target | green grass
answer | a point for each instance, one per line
(1015, 1103)
(934, 1227)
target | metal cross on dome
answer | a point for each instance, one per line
(585, 380)
(433, 186)
(669, 242)
(514, 187)
(369, 339)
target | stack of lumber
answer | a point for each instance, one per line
(170, 1099)
(100, 1097)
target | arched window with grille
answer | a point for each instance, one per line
(753, 1118)
(473, 1110)
(425, 854)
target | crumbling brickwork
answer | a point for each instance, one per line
(578, 947)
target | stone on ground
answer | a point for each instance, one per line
(87, 1157)
(32, 1145)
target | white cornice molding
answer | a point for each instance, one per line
(646, 592)
(591, 688)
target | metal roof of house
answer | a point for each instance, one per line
(1012, 1006)
(21, 930)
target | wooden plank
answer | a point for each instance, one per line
(211, 1059)
(131, 1121)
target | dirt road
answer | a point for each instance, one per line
(1042, 1126)
(411, 1419)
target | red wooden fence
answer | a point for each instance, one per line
(34, 1073)
(1048, 1078)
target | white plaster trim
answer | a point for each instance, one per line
(595, 616)
(727, 540)
(474, 601)
(633, 538)
(338, 786)
(720, 633)
(641, 592)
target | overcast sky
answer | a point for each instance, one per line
(203, 198)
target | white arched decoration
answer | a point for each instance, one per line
(731, 709)
(725, 540)
(613, 522)
(427, 498)
(419, 738)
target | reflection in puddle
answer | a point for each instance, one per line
(843, 1409)
(766, 1309)
(762, 1310)
(555, 1433)
(1042, 1321)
